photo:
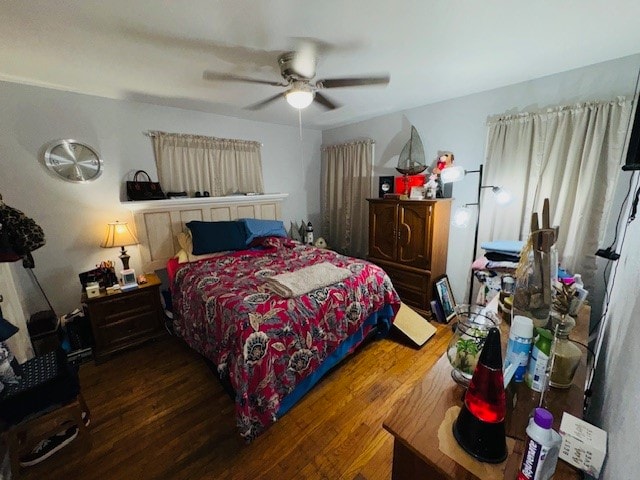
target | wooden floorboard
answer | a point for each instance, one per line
(157, 412)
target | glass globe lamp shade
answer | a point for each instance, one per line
(299, 98)
(503, 197)
(461, 217)
(452, 174)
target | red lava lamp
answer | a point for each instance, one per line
(479, 428)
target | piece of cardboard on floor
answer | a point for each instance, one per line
(414, 326)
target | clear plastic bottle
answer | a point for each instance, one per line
(567, 355)
(541, 449)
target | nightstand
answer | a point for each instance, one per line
(125, 319)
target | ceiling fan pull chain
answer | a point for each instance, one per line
(300, 123)
(301, 144)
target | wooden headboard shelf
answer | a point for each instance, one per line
(159, 221)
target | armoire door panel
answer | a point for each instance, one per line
(415, 239)
(382, 231)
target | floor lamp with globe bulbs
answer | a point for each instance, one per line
(463, 214)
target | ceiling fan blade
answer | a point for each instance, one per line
(264, 103)
(237, 78)
(352, 82)
(304, 59)
(325, 102)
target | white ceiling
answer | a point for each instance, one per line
(156, 51)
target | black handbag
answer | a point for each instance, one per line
(144, 190)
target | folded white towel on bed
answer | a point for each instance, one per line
(294, 284)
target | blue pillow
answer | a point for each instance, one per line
(211, 237)
(257, 228)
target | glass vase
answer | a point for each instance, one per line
(567, 354)
(468, 339)
(536, 274)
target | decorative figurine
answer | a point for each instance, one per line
(431, 187)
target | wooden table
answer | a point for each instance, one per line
(416, 420)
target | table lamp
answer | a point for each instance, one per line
(118, 234)
(479, 428)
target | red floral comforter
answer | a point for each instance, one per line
(267, 344)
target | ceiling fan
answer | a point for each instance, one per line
(298, 69)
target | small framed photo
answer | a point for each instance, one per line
(417, 193)
(444, 294)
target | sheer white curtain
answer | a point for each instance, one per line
(346, 183)
(571, 155)
(192, 163)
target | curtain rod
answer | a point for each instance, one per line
(367, 141)
(152, 134)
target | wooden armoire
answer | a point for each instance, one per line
(409, 240)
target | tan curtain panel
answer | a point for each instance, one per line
(346, 184)
(571, 155)
(195, 163)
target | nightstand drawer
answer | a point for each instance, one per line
(122, 306)
(128, 329)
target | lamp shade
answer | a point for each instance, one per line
(452, 174)
(118, 234)
(461, 217)
(503, 196)
(7, 329)
(299, 98)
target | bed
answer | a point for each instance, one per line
(272, 349)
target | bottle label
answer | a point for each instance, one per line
(518, 350)
(533, 461)
(537, 369)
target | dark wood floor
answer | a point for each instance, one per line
(158, 413)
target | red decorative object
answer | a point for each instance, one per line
(479, 428)
(414, 181)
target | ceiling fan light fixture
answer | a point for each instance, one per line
(299, 98)
(300, 95)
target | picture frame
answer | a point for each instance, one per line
(417, 193)
(444, 294)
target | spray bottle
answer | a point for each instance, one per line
(580, 295)
(542, 448)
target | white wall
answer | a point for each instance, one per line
(459, 125)
(617, 382)
(74, 216)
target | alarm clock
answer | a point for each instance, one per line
(128, 279)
